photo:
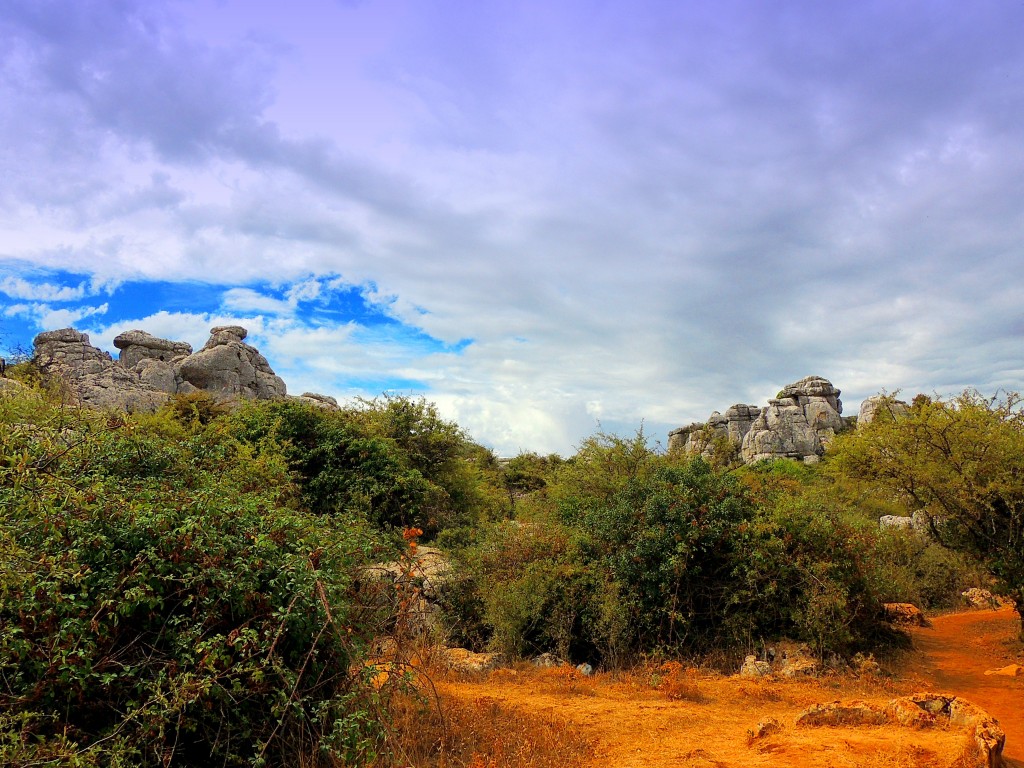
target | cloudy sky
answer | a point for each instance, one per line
(543, 216)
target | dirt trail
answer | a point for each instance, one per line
(955, 652)
(632, 725)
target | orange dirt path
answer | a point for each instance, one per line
(953, 655)
(630, 724)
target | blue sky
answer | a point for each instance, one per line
(539, 215)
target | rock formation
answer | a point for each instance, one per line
(150, 369)
(885, 404)
(230, 368)
(93, 378)
(797, 424)
(701, 438)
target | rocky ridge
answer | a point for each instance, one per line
(150, 369)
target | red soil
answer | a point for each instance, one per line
(953, 655)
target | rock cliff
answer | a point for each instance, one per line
(149, 369)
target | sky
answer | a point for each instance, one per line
(547, 217)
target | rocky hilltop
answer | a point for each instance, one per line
(149, 369)
(797, 424)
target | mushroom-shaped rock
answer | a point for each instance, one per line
(138, 345)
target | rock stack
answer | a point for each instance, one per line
(797, 424)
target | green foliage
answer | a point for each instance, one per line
(162, 602)
(392, 461)
(912, 569)
(627, 552)
(958, 462)
(339, 467)
(195, 409)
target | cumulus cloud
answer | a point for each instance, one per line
(642, 213)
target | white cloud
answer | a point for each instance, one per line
(248, 300)
(17, 288)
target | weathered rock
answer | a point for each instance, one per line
(92, 376)
(797, 665)
(905, 614)
(764, 729)
(466, 662)
(838, 714)
(149, 369)
(158, 375)
(921, 710)
(798, 424)
(229, 368)
(881, 405)
(547, 661)
(1011, 670)
(315, 399)
(699, 438)
(754, 668)
(138, 345)
(10, 385)
(976, 597)
(918, 523)
(896, 522)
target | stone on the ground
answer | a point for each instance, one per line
(921, 710)
(754, 668)
(468, 662)
(977, 597)
(1011, 670)
(905, 614)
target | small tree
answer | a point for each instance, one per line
(962, 463)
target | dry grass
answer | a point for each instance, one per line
(678, 682)
(481, 733)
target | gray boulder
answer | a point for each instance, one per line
(149, 369)
(317, 400)
(229, 368)
(699, 438)
(881, 405)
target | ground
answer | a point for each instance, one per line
(697, 718)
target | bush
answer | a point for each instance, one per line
(159, 608)
(640, 554)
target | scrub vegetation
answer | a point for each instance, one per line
(188, 588)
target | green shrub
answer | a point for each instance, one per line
(158, 607)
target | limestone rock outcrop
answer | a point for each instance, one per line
(797, 424)
(136, 346)
(317, 400)
(229, 368)
(700, 438)
(150, 369)
(920, 710)
(884, 404)
(92, 375)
